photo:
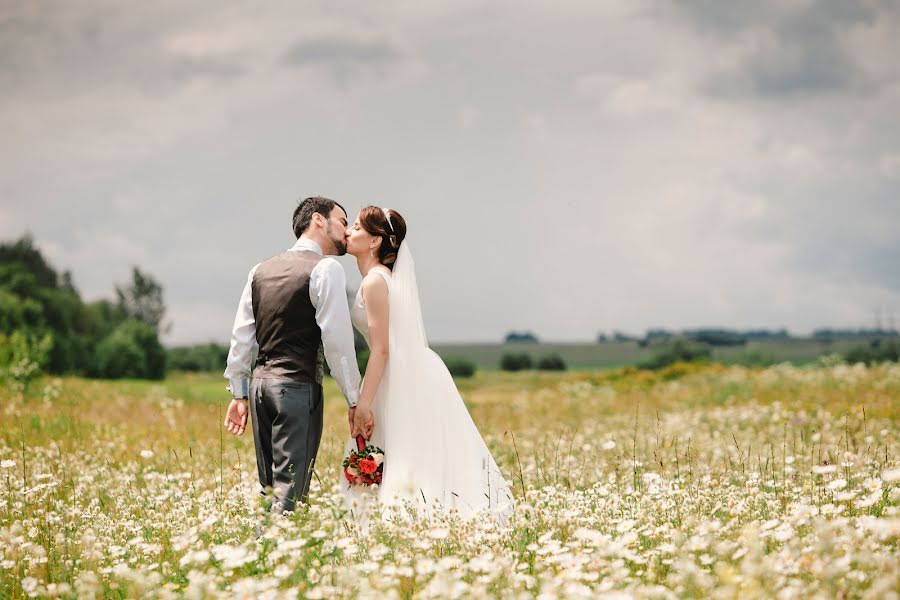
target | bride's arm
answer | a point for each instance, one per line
(375, 297)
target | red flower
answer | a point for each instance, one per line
(349, 477)
(367, 466)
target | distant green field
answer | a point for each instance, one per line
(617, 354)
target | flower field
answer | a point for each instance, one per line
(721, 482)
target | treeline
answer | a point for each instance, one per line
(711, 336)
(200, 357)
(735, 337)
(45, 325)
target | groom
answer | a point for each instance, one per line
(294, 308)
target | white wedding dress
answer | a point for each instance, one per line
(434, 457)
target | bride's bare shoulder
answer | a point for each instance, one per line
(375, 282)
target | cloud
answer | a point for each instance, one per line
(785, 48)
(79, 50)
(344, 56)
(562, 168)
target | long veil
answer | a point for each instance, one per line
(435, 455)
(406, 323)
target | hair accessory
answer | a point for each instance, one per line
(387, 215)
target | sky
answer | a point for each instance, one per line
(568, 168)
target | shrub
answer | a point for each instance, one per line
(460, 367)
(516, 362)
(876, 351)
(23, 357)
(204, 357)
(131, 350)
(551, 362)
(756, 358)
(679, 350)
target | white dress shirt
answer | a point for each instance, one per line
(327, 291)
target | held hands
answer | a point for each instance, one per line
(236, 417)
(363, 421)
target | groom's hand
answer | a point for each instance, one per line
(363, 422)
(236, 417)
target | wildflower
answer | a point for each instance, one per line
(891, 475)
(146, 453)
(784, 533)
(824, 469)
(837, 484)
(872, 485)
(771, 523)
(7, 464)
(869, 500)
(609, 444)
(29, 585)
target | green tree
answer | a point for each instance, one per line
(516, 362)
(460, 367)
(22, 357)
(37, 302)
(142, 300)
(132, 350)
(677, 350)
(551, 362)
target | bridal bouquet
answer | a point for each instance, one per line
(365, 465)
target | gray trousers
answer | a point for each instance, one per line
(287, 429)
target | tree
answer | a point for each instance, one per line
(678, 350)
(516, 362)
(23, 252)
(38, 303)
(142, 300)
(551, 362)
(525, 337)
(459, 366)
(203, 357)
(22, 357)
(131, 350)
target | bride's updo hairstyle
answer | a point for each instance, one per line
(392, 233)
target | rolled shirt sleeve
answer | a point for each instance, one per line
(327, 291)
(243, 343)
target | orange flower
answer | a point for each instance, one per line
(367, 466)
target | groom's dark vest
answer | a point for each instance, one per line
(290, 341)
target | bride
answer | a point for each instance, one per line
(434, 457)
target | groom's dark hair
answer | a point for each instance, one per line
(310, 206)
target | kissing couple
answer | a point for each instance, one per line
(294, 312)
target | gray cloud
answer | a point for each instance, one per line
(601, 185)
(83, 48)
(343, 56)
(795, 50)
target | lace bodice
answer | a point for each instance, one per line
(358, 309)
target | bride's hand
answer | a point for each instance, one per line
(350, 412)
(363, 422)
